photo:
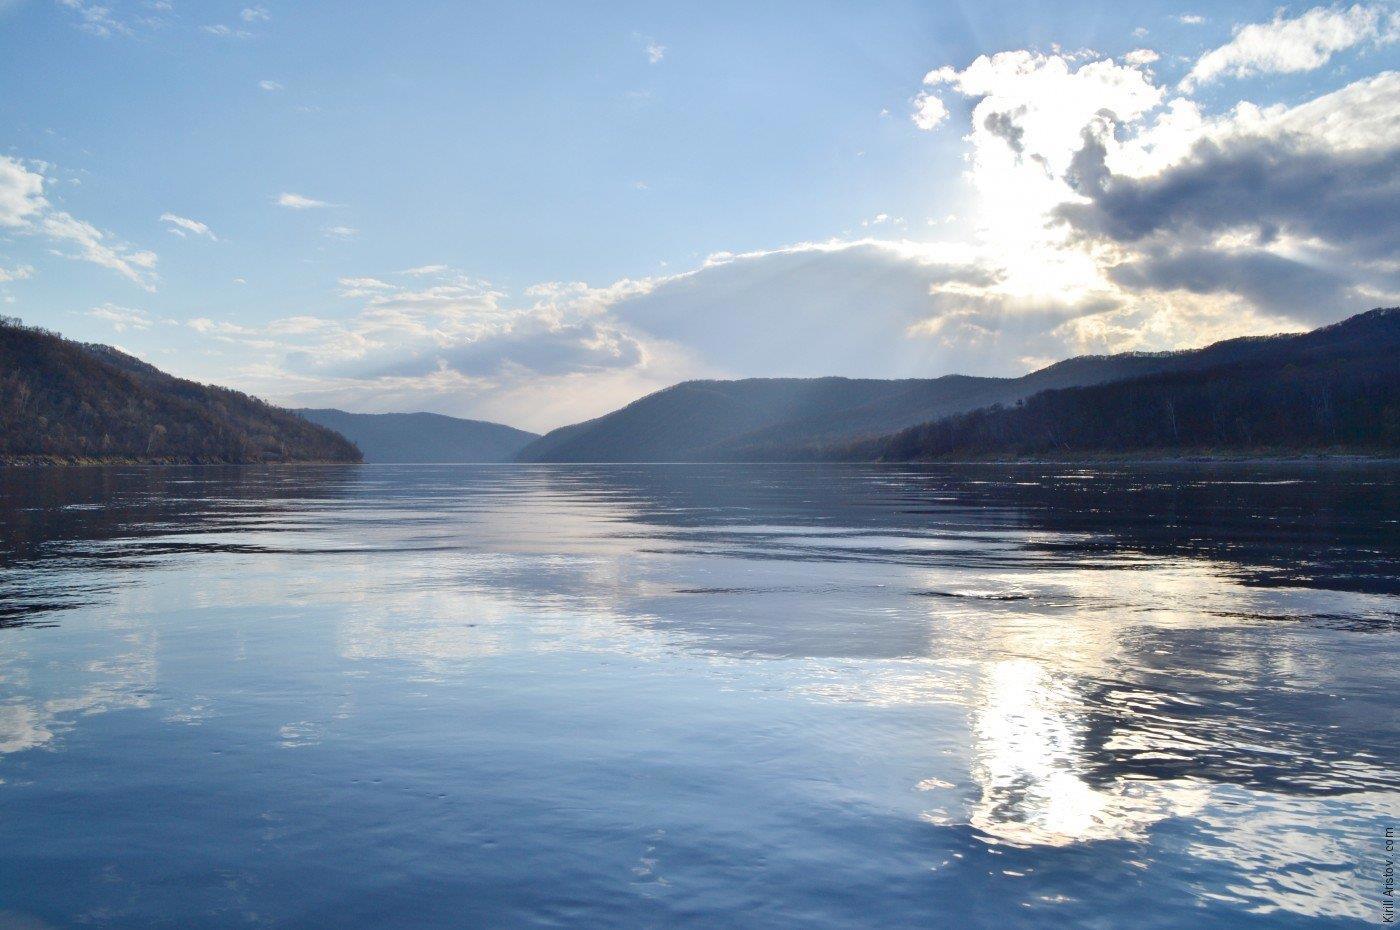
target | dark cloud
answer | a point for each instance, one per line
(1340, 208)
(1004, 126)
(1088, 174)
(1264, 279)
(1265, 186)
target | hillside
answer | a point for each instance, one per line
(796, 418)
(62, 401)
(1336, 389)
(423, 437)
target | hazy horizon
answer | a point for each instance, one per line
(535, 213)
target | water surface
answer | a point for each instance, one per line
(698, 696)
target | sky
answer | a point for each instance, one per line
(537, 212)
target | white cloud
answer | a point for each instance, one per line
(182, 225)
(255, 14)
(97, 19)
(21, 192)
(450, 345)
(226, 32)
(363, 287)
(25, 209)
(95, 246)
(206, 325)
(343, 233)
(299, 202)
(298, 325)
(270, 86)
(1190, 19)
(121, 318)
(929, 111)
(1027, 124)
(17, 273)
(423, 270)
(1302, 43)
(655, 52)
(1141, 57)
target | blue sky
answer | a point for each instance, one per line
(535, 212)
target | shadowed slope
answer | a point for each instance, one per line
(63, 401)
(795, 418)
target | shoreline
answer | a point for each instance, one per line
(64, 462)
(1123, 459)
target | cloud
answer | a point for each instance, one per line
(1258, 186)
(1028, 115)
(344, 233)
(25, 209)
(1313, 186)
(863, 309)
(21, 193)
(299, 202)
(97, 19)
(182, 225)
(423, 270)
(226, 32)
(456, 339)
(206, 325)
(655, 52)
(1263, 279)
(929, 111)
(17, 273)
(95, 246)
(271, 87)
(1303, 43)
(1098, 193)
(534, 347)
(363, 287)
(121, 318)
(1190, 19)
(255, 14)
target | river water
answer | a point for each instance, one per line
(698, 696)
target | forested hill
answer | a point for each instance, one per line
(424, 437)
(63, 401)
(803, 418)
(1336, 389)
(779, 418)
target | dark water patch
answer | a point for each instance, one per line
(977, 595)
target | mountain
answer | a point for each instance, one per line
(796, 418)
(423, 437)
(1334, 389)
(63, 401)
(778, 418)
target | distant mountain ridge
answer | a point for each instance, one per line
(789, 418)
(64, 401)
(423, 437)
